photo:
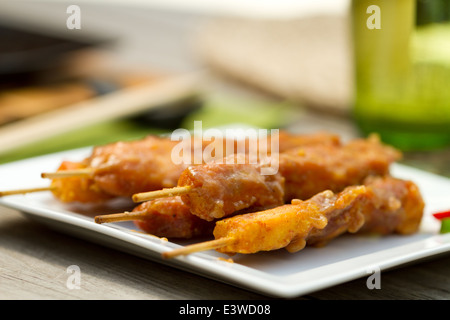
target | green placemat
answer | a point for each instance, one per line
(222, 110)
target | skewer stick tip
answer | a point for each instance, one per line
(163, 193)
(117, 217)
(25, 191)
(202, 246)
(68, 173)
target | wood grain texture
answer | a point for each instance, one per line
(34, 260)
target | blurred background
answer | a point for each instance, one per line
(75, 74)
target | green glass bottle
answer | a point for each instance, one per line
(402, 71)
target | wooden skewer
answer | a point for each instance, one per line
(116, 217)
(50, 175)
(164, 193)
(68, 173)
(203, 246)
(24, 191)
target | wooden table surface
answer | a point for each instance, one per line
(34, 259)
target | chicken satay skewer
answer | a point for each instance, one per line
(284, 226)
(383, 205)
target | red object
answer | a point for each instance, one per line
(442, 215)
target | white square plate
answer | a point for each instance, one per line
(276, 274)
